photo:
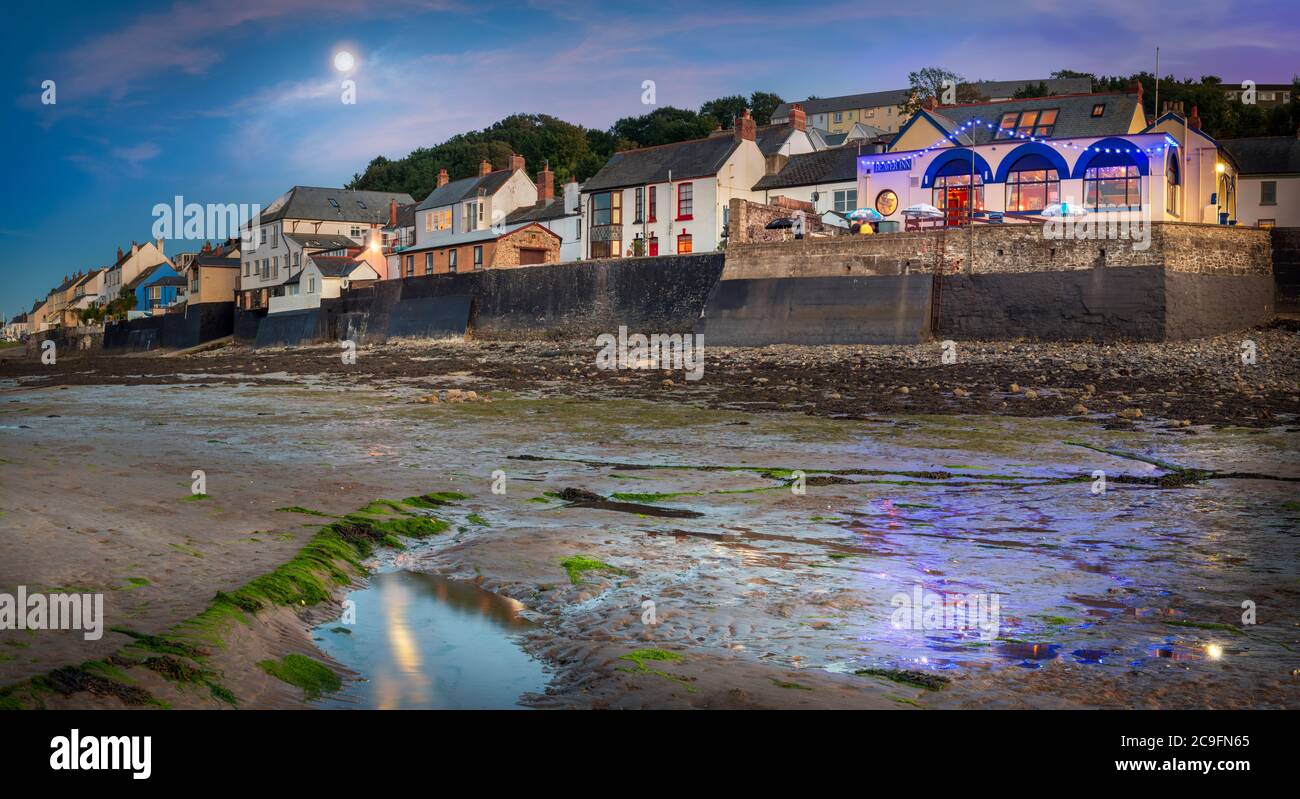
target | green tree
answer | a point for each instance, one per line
(764, 104)
(927, 82)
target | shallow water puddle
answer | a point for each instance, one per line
(425, 642)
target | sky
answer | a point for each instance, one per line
(236, 101)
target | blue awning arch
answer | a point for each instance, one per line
(1044, 155)
(961, 156)
(1112, 152)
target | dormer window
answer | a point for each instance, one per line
(1098, 109)
(1024, 124)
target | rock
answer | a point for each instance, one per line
(904, 390)
(1014, 388)
(1031, 394)
(1079, 366)
(960, 392)
(1130, 413)
(1079, 408)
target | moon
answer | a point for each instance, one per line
(343, 61)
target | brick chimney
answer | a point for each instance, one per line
(929, 103)
(392, 213)
(119, 253)
(745, 127)
(798, 119)
(207, 247)
(545, 185)
(442, 178)
(516, 162)
(484, 167)
(1194, 121)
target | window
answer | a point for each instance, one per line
(275, 265)
(1032, 184)
(654, 204)
(846, 200)
(654, 245)
(247, 268)
(1023, 124)
(311, 285)
(1267, 223)
(1112, 187)
(478, 257)
(952, 190)
(275, 237)
(640, 206)
(361, 205)
(1268, 192)
(1172, 180)
(839, 116)
(606, 223)
(428, 222)
(451, 260)
(334, 203)
(428, 263)
(684, 243)
(358, 231)
(1098, 109)
(410, 266)
(685, 201)
(297, 259)
(155, 292)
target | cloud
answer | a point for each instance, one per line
(137, 154)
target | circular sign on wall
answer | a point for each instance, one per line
(887, 202)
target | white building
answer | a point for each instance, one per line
(324, 277)
(1268, 191)
(561, 215)
(129, 265)
(304, 221)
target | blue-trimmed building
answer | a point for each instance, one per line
(1003, 161)
(157, 289)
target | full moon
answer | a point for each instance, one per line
(344, 62)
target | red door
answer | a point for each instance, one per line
(956, 206)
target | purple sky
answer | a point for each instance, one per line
(237, 100)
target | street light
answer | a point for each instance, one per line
(1220, 168)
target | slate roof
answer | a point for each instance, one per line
(553, 209)
(464, 189)
(144, 276)
(1074, 117)
(1265, 155)
(215, 260)
(333, 265)
(688, 159)
(833, 165)
(313, 202)
(322, 241)
(986, 88)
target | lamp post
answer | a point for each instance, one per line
(1219, 180)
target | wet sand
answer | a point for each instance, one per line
(768, 597)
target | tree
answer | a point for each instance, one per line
(764, 104)
(725, 109)
(928, 82)
(1032, 90)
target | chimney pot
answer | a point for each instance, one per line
(929, 103)
(442, 178)
(745, 127)
(484, 167)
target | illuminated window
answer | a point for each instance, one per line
(1023, 124)
(683, 243)
(1098, 109)
(1032, 184)
(1112, 187)
(428, 263)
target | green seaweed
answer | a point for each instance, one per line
(576, 565)
(313, 677)
(917, 679)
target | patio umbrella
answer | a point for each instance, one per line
(779, 224)
(865, 215)
(1065, 209)
(922, 210)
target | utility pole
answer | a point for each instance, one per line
(1155, 112)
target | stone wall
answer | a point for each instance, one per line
(1007, 248)
(1286, 268)
(747, 222)
(506, 253)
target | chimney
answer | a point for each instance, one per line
(1194, 121)
(442, 178)
(545, 185)
(929, 103)
(159, 244)
(774, 163)
(207, 246)
(119, 253)
(1137, 89)
(516, 162)
(484, 167)
(798, 119)
(392, 213)
(745, 127)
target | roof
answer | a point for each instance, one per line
(688, 159)
(986, 88)
(465, 188)
(771, 138)
(1265, 155)
(215, 260)
(322, 241)
(834, 165)
(553, 209)
(1073, 120)
(144, 277)
(333, 266)
(405, 216)
(344, 205)
(170, 280)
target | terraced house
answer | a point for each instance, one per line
(304, 221)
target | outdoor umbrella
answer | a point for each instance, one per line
(1065, 209)
(865, 215)
(923, 210)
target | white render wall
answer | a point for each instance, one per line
(1286, 213)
